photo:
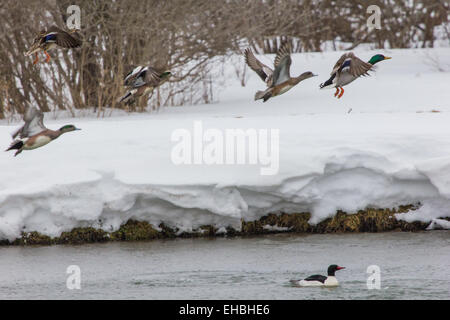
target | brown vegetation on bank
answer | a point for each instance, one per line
(369, 220)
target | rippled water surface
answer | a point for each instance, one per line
(413, 266)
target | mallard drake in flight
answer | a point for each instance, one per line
(278, 80)
(347, 69)
(33, 134)
(142, 80)
(51, 38)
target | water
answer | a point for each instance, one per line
(413, 266)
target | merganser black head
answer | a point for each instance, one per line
(333, 268)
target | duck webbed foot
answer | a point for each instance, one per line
(340, 94)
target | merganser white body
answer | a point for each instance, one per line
(318, 280)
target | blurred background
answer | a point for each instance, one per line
(188, 37)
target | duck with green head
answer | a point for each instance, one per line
(347, 69)
(33, 134)
(142, 80)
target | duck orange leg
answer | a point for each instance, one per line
(48, 56)
(340, 94)
(337, 91)
(37, 59)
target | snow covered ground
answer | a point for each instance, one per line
(384, 144)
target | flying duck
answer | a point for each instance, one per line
(142, 80)
(347, 69)
(317, 280)
(51, 38)
(33, 134)
(278, 81)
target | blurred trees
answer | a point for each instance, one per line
(186, 37)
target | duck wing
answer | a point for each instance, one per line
(152, 77)
(351, 64)
(285, 50)
(282, 64)
(146, 76)
(339, 63)
(358, 67)
(263, 71)
(316, 277)
(34, 123)
(62, 38)
(130, 78)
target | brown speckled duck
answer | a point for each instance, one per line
(278, 80)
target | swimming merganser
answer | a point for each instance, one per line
(318, 280)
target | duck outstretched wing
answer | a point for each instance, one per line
(350, 63)
(358, 67)
(34, 123)
(285, 50)
(282, 64)
(263, 71)
(339, 63)
(151, 76)
(141, 76)
(62, 38)
(130, 78)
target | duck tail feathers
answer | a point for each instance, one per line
(16, 145)
(127, 96)
(259, 95)
(265, 95)
(329, 83)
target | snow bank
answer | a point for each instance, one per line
(389, 150)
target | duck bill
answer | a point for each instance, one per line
(387, 58)
(340, 268)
